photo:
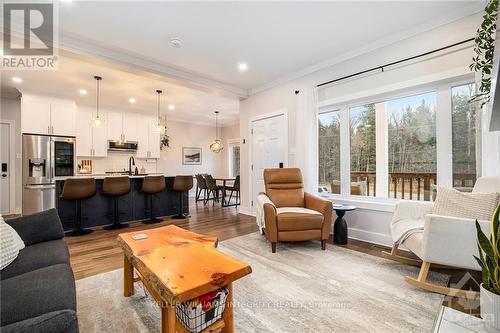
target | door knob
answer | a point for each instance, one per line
(4, 175)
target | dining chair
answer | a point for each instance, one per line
(212, 188)
(201, 186)
(233, 189)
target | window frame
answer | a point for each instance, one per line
(444, 157)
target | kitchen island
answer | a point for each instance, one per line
(98, 210)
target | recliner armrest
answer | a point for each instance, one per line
(38, 227)
(270, 216)
(324, 207)
(451, 241)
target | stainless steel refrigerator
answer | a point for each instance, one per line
(45, 158)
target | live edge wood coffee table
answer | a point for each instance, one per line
(177, 265)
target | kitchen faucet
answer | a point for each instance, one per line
(131, 161)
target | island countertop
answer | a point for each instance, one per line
(102, 175)
(133, 206)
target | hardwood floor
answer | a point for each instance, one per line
(99, 252)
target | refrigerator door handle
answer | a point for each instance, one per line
(40, 187)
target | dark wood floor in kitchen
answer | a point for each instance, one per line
(99, 252)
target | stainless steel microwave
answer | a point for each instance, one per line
(116, 145)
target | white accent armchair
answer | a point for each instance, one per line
(440, 241)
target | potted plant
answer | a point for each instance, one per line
(489, 260)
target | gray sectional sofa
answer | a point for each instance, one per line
(37, 289)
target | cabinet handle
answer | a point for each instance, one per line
(51, 129)
(48, 129)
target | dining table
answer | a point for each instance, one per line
(225, 181)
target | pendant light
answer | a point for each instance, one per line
(97, 121)
(216, 145)
(158, 127)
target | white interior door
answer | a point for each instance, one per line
(5, 168)
(268, 150)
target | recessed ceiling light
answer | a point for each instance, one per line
(176, 42)
(17, 79)
(82, 92)
(242, 66)
(131, 100)
(171, 107)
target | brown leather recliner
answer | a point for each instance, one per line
(292, 214)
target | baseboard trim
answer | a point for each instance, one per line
(246, 211)
(371, 237)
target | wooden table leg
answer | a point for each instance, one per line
(168, 319)
(128, 277)
(227, 315)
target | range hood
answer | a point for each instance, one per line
(118, 145)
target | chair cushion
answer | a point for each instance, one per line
(37, 256)
(37, 292)
(297, 218)
(450, 202)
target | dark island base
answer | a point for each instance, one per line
(98, 210)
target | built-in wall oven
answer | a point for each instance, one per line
(44, 158)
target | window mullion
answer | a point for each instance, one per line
(381, 148)
(345, 152)
(444, 140)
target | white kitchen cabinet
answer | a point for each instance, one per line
(114, 125)
(63, 117)
(90, 141)
(35, 116)
(45, 116)
(148, 139)
(129, 126)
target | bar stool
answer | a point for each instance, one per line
(115, 187)
(78, 189)
(182, 184)
(152, 185)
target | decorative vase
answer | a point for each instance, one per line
(490, 309)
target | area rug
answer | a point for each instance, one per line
(298, 289)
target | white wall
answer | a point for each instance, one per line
(11, 110)
(369, 226)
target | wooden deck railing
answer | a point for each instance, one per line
(410, 185)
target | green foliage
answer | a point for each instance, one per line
(484, 52)
(489, 254)
(164, 142)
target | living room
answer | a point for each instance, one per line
(197, 167)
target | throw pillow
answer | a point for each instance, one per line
(10, 244)
(450, 202)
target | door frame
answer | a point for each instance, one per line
(230, 144)
(272, 114)
(12, 169)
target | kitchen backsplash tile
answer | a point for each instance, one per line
(116, 161)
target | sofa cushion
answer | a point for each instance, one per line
(37, 256)
(37, 292)
(296, 218)
(64, 321)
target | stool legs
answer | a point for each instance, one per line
(151, 219)
(78, 230)
(116, 224)
(180, 215)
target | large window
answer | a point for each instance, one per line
(329, 152)
(394, 147)
(363, 149)
(411, 140)
(464, 137)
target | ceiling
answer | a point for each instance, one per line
(117, 86)
(275, 39)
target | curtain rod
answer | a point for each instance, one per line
(396, 62)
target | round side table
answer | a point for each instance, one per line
(340, 225)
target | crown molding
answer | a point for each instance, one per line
(451, 17)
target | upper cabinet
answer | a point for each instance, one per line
(122, 126)
(46, 116)
(148, 139)
(89, 141)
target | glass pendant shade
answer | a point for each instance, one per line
(97, 121)
(159, 127)
(216, 146)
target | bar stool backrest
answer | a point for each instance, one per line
(153, 184)
(78, 188)
(115, 186)
(183, 183)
